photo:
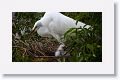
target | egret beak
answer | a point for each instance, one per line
(33, 30)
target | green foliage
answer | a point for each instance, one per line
(83, 45)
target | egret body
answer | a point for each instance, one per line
(56, 24)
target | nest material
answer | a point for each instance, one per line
(44, 47)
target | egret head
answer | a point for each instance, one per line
(37, 25)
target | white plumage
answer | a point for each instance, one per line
(60, 50)
(56, 24)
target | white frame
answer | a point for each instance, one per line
(104, 67)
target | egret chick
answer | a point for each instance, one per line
(60, 50)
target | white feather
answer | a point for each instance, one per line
(56, 24)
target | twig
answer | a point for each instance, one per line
(25, 50)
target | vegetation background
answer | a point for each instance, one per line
(82, 45)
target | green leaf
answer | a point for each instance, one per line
(91, 47)
(69, 31)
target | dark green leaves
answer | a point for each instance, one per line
(83, 45)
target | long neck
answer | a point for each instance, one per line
(46, 20)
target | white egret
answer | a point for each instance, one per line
(55, 24)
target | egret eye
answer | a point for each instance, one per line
(39, 24)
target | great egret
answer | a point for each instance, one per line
(56, 24)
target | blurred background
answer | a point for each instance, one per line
(82, 45)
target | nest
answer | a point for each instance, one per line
(44, 48)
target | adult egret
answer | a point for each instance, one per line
(56, 24)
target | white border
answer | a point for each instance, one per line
(104, 67)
